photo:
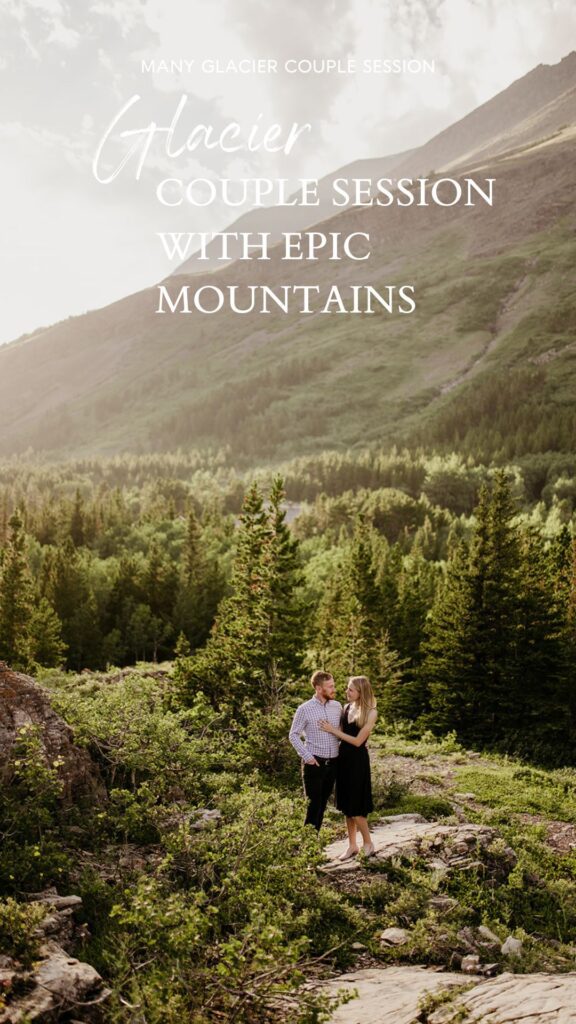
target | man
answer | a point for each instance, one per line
(319, 751)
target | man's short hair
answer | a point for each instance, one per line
(320, 677)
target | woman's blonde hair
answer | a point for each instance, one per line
(366, 702)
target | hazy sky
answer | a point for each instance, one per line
(70, 243)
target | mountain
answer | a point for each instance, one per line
(276, 219)
(532, 108)
(487, 359)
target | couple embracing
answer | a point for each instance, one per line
(334, 752)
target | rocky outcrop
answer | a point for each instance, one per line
(23, 702)
(57, 983)
(416, 995)
(530, 998)
(443, 847)
(390, 995)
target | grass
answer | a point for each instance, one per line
(509, 788)
(398, 742)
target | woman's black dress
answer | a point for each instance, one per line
(353, 784)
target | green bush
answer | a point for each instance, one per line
(138, 738)
(263, 744)
(30, 818)
(227, 925)
(18, 924)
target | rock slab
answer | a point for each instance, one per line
(389, 995)
(410, 835)
(529, 998)
(393, 995)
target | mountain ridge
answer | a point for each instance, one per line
(453, 148)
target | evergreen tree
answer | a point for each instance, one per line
(16, 598)
(542, 713)
(77, 521)
(255, 643)
(351, 635)
(66, 585)
(200, 588)
(285, 626)
(472, 653)
(448, 667)
(46, 645)
(495, 663)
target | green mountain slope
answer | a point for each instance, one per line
(487, 358)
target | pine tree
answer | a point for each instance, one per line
(285, 613)
(16, 598)
(160, 586)
(543, 711)
(351, 634)
(77, 523)
(447, 694)
(66, 585)
(494, 656)
(45, 629)
(200, 588)
(254, 646)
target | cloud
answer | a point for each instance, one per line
(64, 36)
(127, 14)
(42, 21)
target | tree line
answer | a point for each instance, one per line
(462, 613)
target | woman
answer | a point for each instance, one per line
(353, 785)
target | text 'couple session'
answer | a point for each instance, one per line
(331, 741)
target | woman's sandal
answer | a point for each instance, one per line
(368, 851)
(349, 854)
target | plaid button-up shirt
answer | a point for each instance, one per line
(306, 723)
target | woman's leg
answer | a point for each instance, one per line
(351, 826)
(362, 825)
(352, 844)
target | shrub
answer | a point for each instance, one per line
(30, 853)
(226, 928)
(18, 925)
(138, 738)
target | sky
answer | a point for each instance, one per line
(72, 243)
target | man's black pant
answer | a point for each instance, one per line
(318, 784)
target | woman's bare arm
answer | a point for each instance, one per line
(362, 736)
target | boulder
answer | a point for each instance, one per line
(511, 947)
(58, 984)
(470, 964)
(23, 702)
(442, 904)
(488, 936)
(394, 936)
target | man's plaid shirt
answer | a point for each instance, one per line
(306, 722)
